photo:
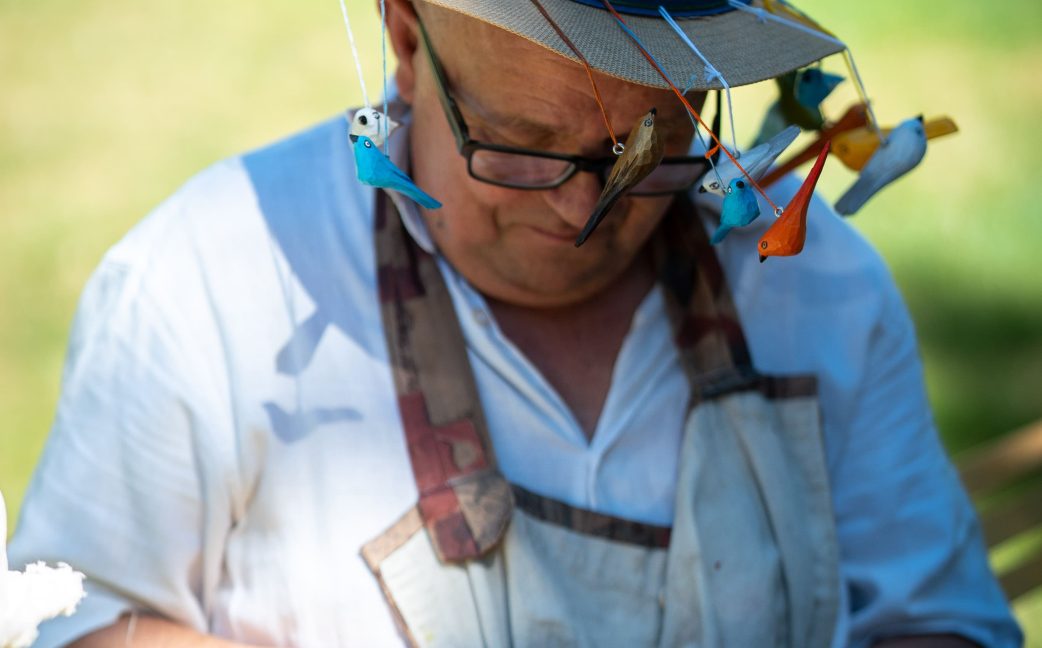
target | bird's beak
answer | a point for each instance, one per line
(653, 111)
(920, 118)
(353, 138)
(701, 189)
(762, 258)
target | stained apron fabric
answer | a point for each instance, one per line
(751, 558)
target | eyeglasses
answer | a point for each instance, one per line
(521, 168)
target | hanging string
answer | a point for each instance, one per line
(763, 15)
(852, 67)
(709, 156)
(617, 146)
(711, 72)
(354, 53)
(717, 114)
(385, 122)
(680, 95)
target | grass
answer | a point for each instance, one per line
(108, 106)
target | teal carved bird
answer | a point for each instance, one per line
(376, 170)
(813, 85)
(800, 94)
(740, 208)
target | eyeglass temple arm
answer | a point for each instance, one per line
(458, 126)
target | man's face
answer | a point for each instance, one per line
(514, 245)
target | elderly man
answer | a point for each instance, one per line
(298, 411)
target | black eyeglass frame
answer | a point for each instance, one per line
(468, 146)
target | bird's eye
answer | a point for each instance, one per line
(367, 143)
(647, 122)
(763, 245)
(714, 185)
(362, 120)
(740, 184)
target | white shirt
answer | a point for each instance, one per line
(227, 436)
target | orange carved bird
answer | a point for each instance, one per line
(787, 235)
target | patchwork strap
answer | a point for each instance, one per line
(465, 503)
(706, 327)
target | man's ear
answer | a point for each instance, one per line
(402, 30)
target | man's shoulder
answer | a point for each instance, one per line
(230, 214)
(837, 264)
(816, 312)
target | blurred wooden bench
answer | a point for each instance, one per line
(1004, 478)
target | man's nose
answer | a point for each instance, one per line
(573, 201)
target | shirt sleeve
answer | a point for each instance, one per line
(912, 556)
(123, 492)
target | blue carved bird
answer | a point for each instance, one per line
(376, 170)
(740, 208)
(901, 152)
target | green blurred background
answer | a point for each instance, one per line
(107, 107)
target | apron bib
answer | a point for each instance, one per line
(751, 558)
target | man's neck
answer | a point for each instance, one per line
(575, 346)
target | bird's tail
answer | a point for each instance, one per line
(855, 197)
(600, 210)
(720, 234)
(422, 197)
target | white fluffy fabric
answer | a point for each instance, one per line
(28, 598)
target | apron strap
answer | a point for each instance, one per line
(706, 327)
(465, 503)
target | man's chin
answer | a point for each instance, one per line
(547, 280)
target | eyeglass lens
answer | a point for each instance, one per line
(534, 172)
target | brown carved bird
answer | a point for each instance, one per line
(643, 153)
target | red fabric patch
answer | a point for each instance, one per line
(431, 447)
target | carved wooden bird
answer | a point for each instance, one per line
(901, 151)
(643, 153)
(787, 235)
(855, 147)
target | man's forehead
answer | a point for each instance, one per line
(510, 81)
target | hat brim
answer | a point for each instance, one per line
(744, 49)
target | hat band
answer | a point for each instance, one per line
(676, 8)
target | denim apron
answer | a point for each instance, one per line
(751, 557)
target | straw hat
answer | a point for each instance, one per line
(738, 44)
